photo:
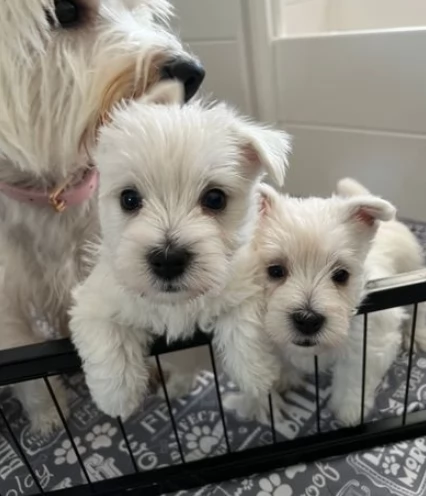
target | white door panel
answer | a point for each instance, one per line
(365, 80)
(356, 105)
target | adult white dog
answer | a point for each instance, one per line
(63, 64)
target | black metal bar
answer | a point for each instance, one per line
(69, 433)
(169, 407)
(21, 451)
(271, 415)
(37, 361)
(364, 365)
(390, 292)
(317, 395)
(219, 398)
(410, 361)
(59, 356)
(260, 459)
(126, 441)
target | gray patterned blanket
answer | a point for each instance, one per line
(398, 469)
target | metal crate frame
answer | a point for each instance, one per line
(59, 357)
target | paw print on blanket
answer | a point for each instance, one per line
(272, 486)
(202, 440)
(66, 453)
(390, 466)
(101, 436)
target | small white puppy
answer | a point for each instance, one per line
(316, 256)
(178, 204)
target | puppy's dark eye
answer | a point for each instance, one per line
(277, 271)
(130, 200)
(214, 199)
(340, 276)
(67, 13)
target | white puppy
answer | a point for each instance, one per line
(63, 64)
(316, 256)
(178, 204)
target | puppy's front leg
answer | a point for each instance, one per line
(112, 353)
(383, 344)
(246, 351)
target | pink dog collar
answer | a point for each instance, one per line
(61, 197)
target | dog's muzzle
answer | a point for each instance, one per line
(307, 324)
(189, 72)
(170, 263)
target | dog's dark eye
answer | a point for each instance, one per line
(340, 276)
(277, 272)
(130, 200)
(214, 199)
(67, 13)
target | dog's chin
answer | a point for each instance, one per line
(306, 343)
(315, 345)
(172, 294)
(311, 345)
(303, 347)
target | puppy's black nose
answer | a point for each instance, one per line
(307, 322)
(170, 263)
(188, 72)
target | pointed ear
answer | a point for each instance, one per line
(367, 210)
(351, 187)
(264, 149)
(164, 93)
(269, 197)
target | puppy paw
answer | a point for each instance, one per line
(289, 380)
(420, 339)
(118, 404)
(255, 409)
(348, 410)
(246, 407)
(45, 422)
(45, 418)
(178, 385)
(259, 380)
(119, 396)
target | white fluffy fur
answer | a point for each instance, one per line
(172, 160)
(312, 238)
(56, 87)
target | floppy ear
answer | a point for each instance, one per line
(264, 149)
(164, 93)
(367, 210)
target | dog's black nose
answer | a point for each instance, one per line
(169, 263)
(307, 322)
(188, 72)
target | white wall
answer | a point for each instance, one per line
(214, 31)
(355, 103)
(320, 16)
(375, 14)
(303, 16)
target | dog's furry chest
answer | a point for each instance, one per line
(42, 252)
(179, 321)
